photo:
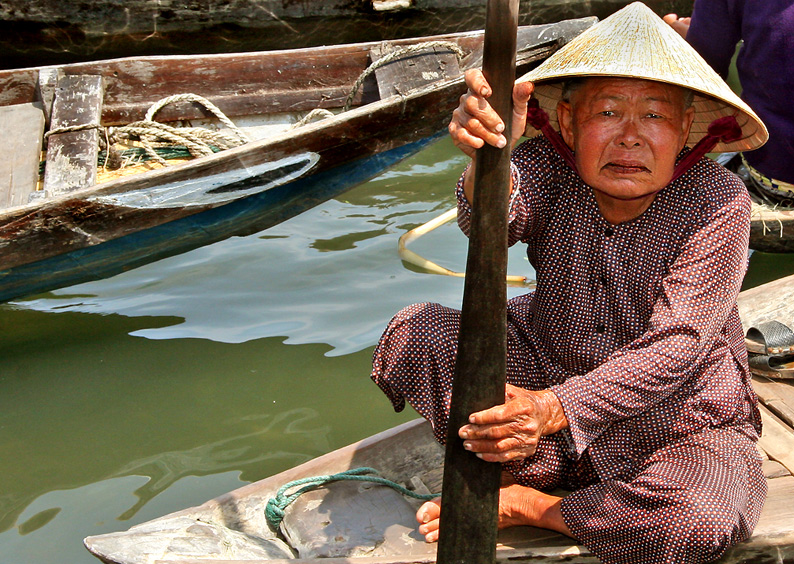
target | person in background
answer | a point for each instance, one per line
(765, 67)
(628, 382)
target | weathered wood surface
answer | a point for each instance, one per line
(407, 73)
(72, 155)
(772, 231)
(239, 84)
(21, 131)
(471, 521)
(767, 302)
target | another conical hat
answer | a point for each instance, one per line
(636, 43)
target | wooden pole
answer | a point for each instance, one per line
(469, 510)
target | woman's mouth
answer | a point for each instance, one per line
(626, 167)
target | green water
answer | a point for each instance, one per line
(129, 398)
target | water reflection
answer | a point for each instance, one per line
(95, 405)
(331, 275)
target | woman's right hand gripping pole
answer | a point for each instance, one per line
(474, 122)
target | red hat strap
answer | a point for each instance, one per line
(539, 119)
(725, 129)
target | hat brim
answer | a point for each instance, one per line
(707, 109)
(636, 43)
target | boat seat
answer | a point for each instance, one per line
(413, 70)
(21, 131)
(72, 154)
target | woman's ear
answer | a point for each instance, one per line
(689, 117)
(565, 119)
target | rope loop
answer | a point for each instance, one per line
(276, 506)
(393, 56)
(199, 141)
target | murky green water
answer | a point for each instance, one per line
(129, 398)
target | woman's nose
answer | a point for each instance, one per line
(629, 133)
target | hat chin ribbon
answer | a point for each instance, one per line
(725, 129)
(539, 119)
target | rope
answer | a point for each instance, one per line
(316, 114)
(276, 506)
(394, 55)
(198, 140)
(188, 97)
(70, 128)
(431, 267)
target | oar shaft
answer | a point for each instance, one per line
(471, 486)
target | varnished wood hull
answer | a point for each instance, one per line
(98, 231)
(64, 31)
(772, 231)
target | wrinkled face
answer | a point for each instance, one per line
(626, 134)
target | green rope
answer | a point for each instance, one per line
(276, 506)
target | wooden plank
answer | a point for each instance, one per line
(21, 131)
(777, 396)
(72, 155)
(45, 90)
(412, 69)
(771, 301)
(469, 514)
(776, 439)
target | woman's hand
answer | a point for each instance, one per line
(511, 431)
(475, 122)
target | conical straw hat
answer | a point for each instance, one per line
(636, 43)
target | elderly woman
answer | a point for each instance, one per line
(627, 373)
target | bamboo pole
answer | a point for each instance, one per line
(471, 486)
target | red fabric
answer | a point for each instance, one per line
(539, 119)
(724, 129)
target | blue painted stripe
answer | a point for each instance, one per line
(241, 217)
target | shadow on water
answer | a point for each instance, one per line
(84, 402)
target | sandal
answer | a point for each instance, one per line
(777, 367)
(770, 338)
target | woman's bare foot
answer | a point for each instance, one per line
(518, 505)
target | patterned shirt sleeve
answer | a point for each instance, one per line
(693, 305)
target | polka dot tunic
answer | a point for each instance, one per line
(635, 328)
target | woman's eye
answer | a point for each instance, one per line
(607, 113)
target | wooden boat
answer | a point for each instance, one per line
(68, 228)
(360, 523)
(772, 229)
(66, 31)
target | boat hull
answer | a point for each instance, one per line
(95, 232)
(239, 218)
